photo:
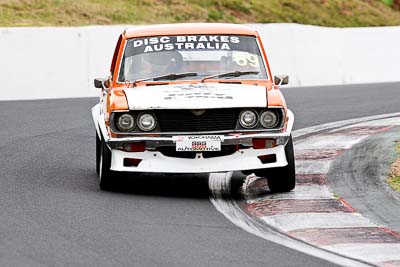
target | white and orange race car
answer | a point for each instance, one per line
(193, 98)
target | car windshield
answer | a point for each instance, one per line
(199, 55)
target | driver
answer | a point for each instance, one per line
(161, 63)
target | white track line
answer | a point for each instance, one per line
(329, 142)
(312, 166)
(371, 252)
(344, 123)
(385, 122)
(296, 221)
(300, 192)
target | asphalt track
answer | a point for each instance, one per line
(52, 212)
(359, 175)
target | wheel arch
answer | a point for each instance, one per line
(99, 123)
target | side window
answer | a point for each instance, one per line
(114, 60)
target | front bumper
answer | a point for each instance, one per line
(155, 161)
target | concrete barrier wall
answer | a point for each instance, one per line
(329, 56)
(62, 62)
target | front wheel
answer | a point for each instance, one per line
(282, 179)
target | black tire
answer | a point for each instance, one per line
(107, 177)
(247, 172)
(98, 151)
(282, 179)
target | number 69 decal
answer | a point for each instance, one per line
(245, 59)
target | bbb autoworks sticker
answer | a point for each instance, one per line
(198, 143)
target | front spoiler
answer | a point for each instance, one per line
(246, 159)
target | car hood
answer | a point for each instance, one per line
(196, 96)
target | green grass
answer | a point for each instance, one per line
(339, 13)
(394, 179)
(394, 183)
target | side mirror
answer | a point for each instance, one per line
(100, 83)
(281, 79)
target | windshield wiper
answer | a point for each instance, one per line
(169, 76)
(229, 74)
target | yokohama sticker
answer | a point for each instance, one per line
(218, 138)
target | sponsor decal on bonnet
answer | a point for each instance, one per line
(192, 92)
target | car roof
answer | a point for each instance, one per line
(189, 28)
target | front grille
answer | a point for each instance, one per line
(185, 121)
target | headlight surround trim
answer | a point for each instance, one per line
(278, 110)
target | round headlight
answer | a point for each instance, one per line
(147, 122)
(125, 122)
(269, 119)
(248, 118)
